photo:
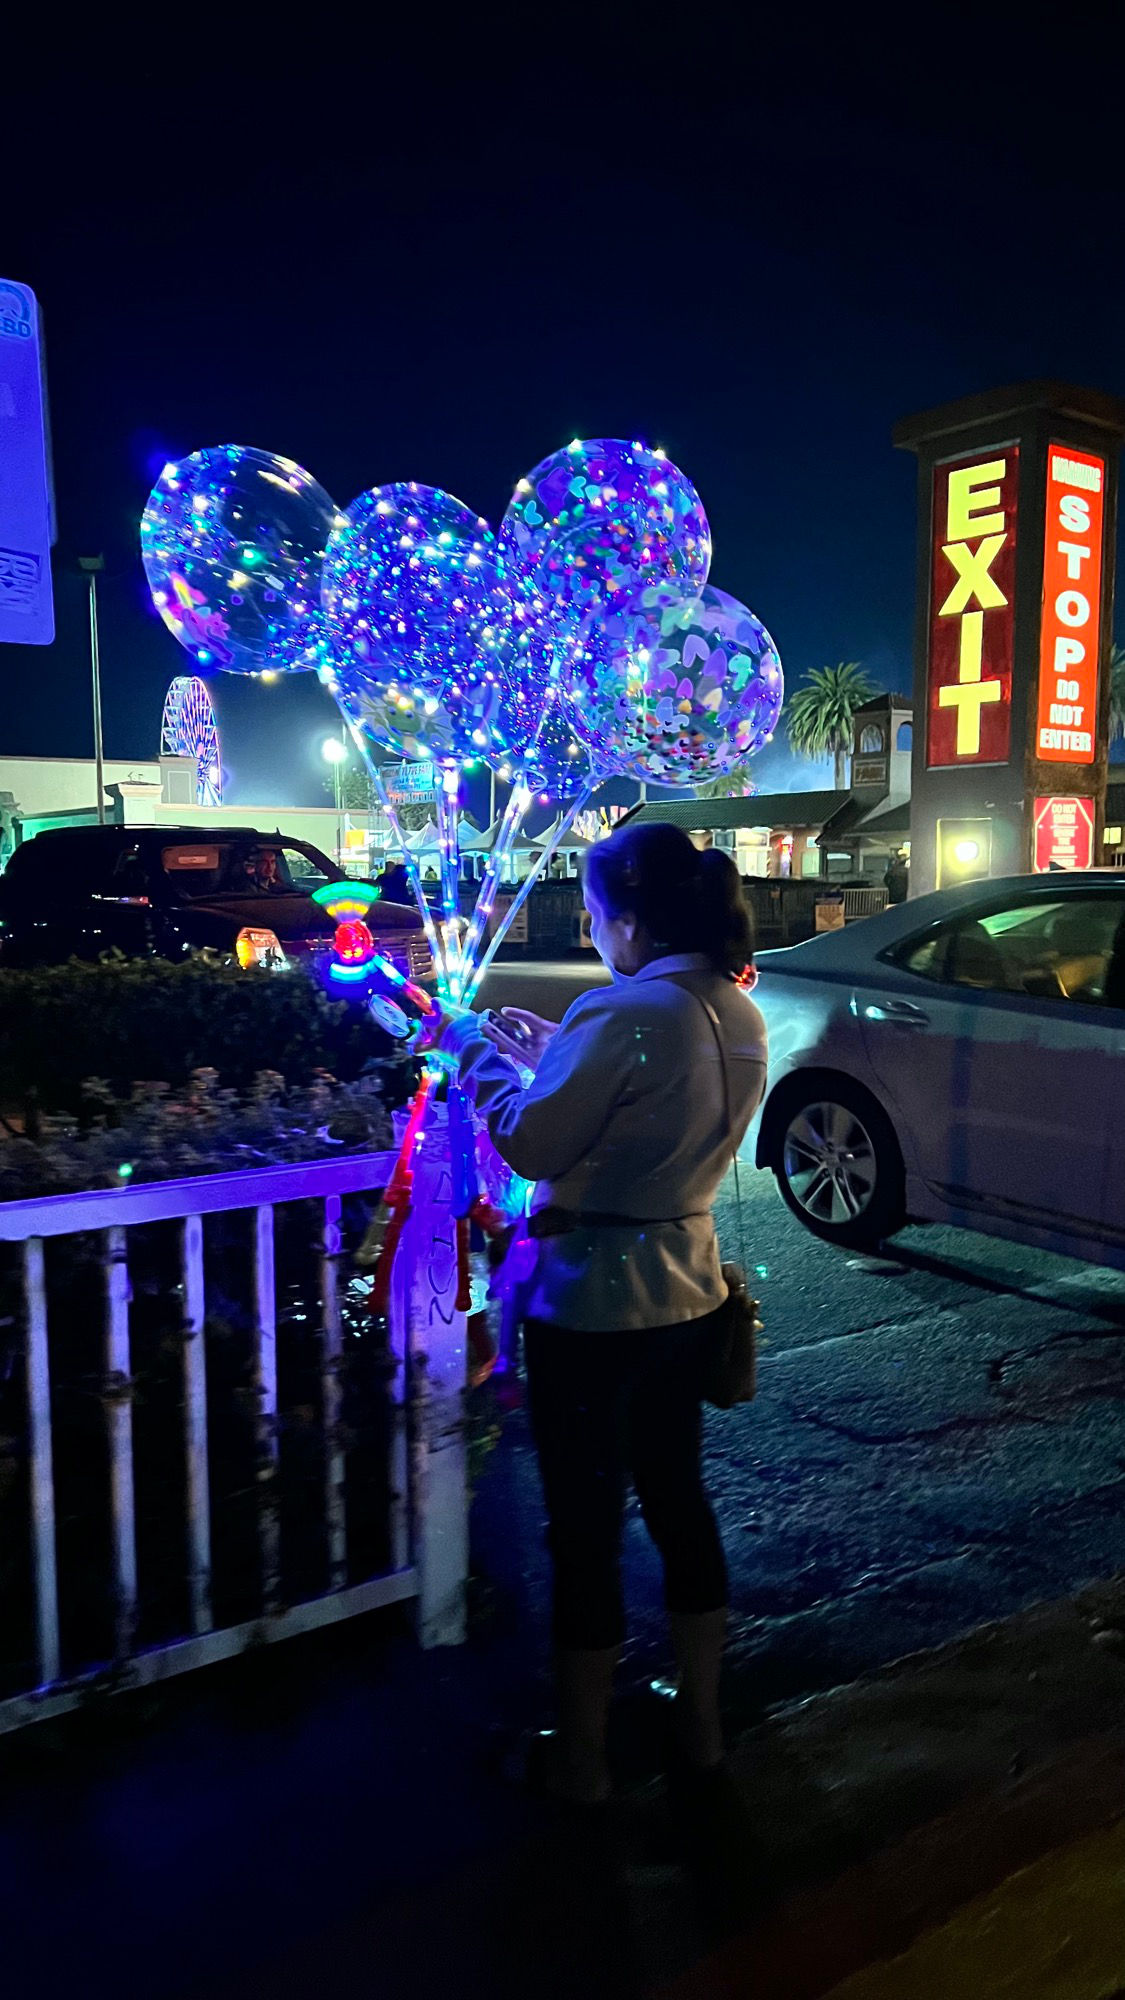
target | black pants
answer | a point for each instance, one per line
(604, 1408)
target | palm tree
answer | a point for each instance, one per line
(821, 716)
(1116, 693)
(737, 784)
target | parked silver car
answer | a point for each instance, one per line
(958, 1059)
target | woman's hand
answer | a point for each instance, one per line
(433, 1028)
(529, 1049)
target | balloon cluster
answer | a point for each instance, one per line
(582, 641)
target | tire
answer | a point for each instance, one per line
(838, 1164)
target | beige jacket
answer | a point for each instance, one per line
(625, 1116)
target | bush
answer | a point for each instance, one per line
(162, 1134)
(135, 1021)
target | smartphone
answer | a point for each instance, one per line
(515, 1030)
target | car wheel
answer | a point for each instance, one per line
(839, 1167)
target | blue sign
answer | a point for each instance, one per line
(411, 784)
(27, 612)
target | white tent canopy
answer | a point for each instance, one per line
(426, 841)
(481, 843)
(550, 836)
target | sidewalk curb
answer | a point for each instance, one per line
(905, 1796)
(1053, 1931)
(878, 1908)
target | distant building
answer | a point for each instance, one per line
(835, 835)
(873, 822)
(37, 793)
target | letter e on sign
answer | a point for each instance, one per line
(1070, 629)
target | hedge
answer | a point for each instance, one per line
(130, 1021)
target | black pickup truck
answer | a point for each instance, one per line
(76, 892)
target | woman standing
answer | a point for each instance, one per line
(628, 1127)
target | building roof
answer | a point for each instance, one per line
(1090, 406)
(878, 703)
(770, 809)
(886, 814)
(889, 816)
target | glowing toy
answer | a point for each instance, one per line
(595, 522)
(354, 964)
(397, 1193)
(346, 899)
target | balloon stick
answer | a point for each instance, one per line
(410, 860)
(576, 806)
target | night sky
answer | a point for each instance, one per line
(443, 260)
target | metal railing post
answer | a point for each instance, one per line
(195, 1427)
(331, 1359)
(265, 1374)
(43, 1558)
(118, 1399)
(434, 1337)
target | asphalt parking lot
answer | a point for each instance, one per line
(938, 1441)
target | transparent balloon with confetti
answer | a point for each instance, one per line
(592, 524)
(672, 689)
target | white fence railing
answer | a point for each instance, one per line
(428, 1535)
(865, 902)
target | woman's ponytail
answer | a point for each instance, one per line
(724, 920)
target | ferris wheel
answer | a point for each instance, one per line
(188, 729)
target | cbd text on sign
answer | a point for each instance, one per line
(972, 595)
(1072, 594)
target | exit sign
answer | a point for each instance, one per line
(27, 612)
(972, 609)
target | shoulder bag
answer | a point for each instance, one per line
(731, 1375)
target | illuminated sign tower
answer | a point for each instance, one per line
(1017, 498)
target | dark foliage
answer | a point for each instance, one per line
(144, 1020)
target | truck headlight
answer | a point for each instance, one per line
(253, 947)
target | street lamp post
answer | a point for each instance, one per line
(92, 567)
(334, 750)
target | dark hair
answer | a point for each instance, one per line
(686, 900)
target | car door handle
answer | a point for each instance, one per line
(903, 1013)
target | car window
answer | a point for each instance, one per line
(130, 876)
(67, 868)
(196, 867)
(1072, 949)
(305, 871)
(242, 868)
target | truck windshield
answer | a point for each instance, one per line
(210, 868)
